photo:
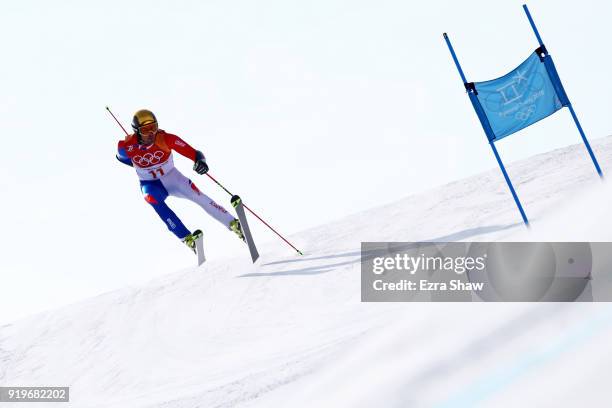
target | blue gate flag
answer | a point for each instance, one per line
(520, 98)
(528, 94)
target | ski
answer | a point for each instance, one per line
(200, 250)
(237, 204)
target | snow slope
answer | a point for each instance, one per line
(291, 331)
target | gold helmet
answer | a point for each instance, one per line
(144, 123)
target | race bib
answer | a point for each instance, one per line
(156, 171)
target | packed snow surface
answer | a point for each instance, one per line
(291, 330)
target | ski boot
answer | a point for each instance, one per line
(190, 240)
(235, 227)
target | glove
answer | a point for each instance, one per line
(199, 165)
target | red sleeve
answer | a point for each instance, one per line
(176, 143)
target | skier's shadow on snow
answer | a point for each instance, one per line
(319, 269)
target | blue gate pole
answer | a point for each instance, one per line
(501, 164)
(569, 105)
(452, 51)
(533, 26)
(584, 139)
(503, 169)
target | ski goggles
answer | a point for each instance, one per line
(148, 129)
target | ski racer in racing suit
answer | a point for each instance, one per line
(149, 151)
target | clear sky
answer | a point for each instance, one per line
(309, 110)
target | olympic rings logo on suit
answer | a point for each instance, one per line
(148, 158)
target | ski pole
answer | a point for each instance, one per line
(257, 216)
(224, 189)
(119, 123)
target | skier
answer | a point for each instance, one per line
(149, 151)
